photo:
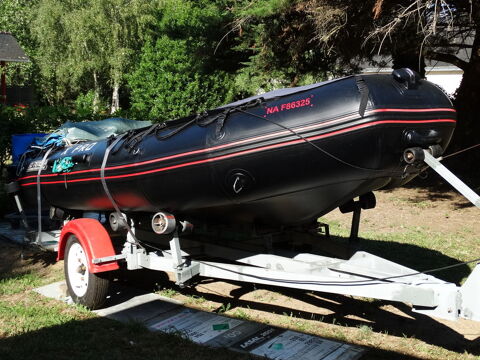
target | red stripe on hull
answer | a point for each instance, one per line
(244, 152)
(249, 140)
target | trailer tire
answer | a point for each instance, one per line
(85, 288)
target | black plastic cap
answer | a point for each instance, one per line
(407, 77)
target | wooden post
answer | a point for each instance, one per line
(3, 97)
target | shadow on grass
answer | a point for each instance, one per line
(434, 188)
(101, 338)
(16, 262)
(350, 312)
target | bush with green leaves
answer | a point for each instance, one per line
(169, 83)
(89, 106)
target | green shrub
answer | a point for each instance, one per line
(89, 108)
(169, 83)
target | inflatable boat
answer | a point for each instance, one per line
(282, 158)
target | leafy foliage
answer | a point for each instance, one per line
(168, 82)
(87, 45)
(183, 71)
(88, 106)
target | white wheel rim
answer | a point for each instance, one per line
(77, 270)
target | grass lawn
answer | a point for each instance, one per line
(34, 327)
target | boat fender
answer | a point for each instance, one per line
(56, 213)
(94, 239)
(163, 223)
(366, 201)
(416, 155)
(413, 155)
(117, 222)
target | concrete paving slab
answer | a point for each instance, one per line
(294, 345)
(198, 326)
(245, 330)
(163, 314)
(57, 291)
(139, 308)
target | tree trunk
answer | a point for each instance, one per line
(406, 50)
(413, 61)
(467, 97)
(115, 97)
(96, 96)
(468, 124)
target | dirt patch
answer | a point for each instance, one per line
(436, 209)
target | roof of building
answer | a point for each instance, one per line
(10, 50)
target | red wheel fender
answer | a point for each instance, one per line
(94, 239)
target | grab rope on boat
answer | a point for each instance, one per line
(205, 119)
(133, 138)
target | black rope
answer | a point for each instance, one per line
(107, 191)
(460, 151)
(131, 144)
(205, 119)
(222, 116)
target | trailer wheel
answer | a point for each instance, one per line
(84, 287)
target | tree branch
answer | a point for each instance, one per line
(448, 58)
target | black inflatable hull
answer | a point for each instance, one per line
(285, 161)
